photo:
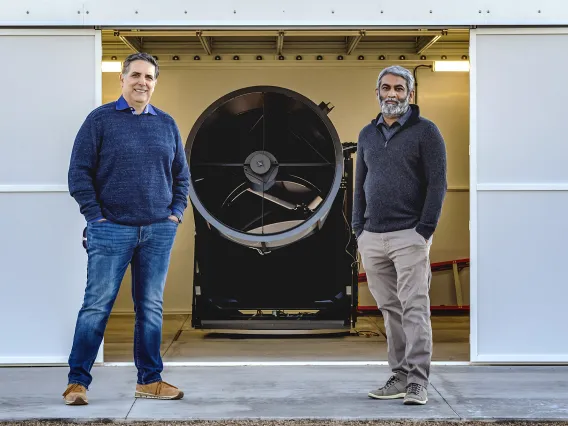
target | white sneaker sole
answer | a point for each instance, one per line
(395, 396)
(415, 402)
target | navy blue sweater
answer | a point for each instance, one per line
(130, 169)
(400, 184)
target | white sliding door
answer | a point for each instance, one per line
(519, 195)
(51, 81)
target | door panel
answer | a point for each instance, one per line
(519, 197)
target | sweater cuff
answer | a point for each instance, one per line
(93, 216)
(425, 230)
(177, 213)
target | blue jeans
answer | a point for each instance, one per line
(111, 248)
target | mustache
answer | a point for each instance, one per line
(396, 100)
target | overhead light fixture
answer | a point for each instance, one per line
(449, 66)
(111, 66)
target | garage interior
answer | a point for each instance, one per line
(198, 66)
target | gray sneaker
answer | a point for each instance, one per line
(416, 394)
(395, 387)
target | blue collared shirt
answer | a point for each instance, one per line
(389, 132)
(121, 105)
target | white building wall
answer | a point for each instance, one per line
(518, 207)
(260, 13)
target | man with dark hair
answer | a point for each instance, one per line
(400, 185)
(128, 173)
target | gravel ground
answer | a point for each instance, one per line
(289, 423)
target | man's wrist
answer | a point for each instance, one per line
(178, 215)
(425, 230)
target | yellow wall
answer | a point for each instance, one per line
(443, 98)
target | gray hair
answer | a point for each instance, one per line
(399, 72)
(140, 57)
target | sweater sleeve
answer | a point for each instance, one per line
(82, 170)
(433, 155)
(359, 203)
(180, 174)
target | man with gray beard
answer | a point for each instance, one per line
(400, 186)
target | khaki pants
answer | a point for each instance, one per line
(398, 271)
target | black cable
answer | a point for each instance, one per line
(416, 81)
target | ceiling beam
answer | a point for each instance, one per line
(287, 33)
(133, 43)
(354, 41)
(280, 43)
(425, 43)
(205, 42)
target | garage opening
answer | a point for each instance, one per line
(337, 67)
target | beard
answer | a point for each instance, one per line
(394, 110)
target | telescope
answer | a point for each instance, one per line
(271, 192)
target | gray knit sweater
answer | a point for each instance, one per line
(400, 184)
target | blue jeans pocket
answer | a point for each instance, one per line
(111, 238)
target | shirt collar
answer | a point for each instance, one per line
(401, 120)
(121, 105)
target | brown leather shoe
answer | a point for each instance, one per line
(75, 394)
(158, 390)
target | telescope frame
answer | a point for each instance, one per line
(211, 309)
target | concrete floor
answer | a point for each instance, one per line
(367, 342)
(290, 392)
(330, 392)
